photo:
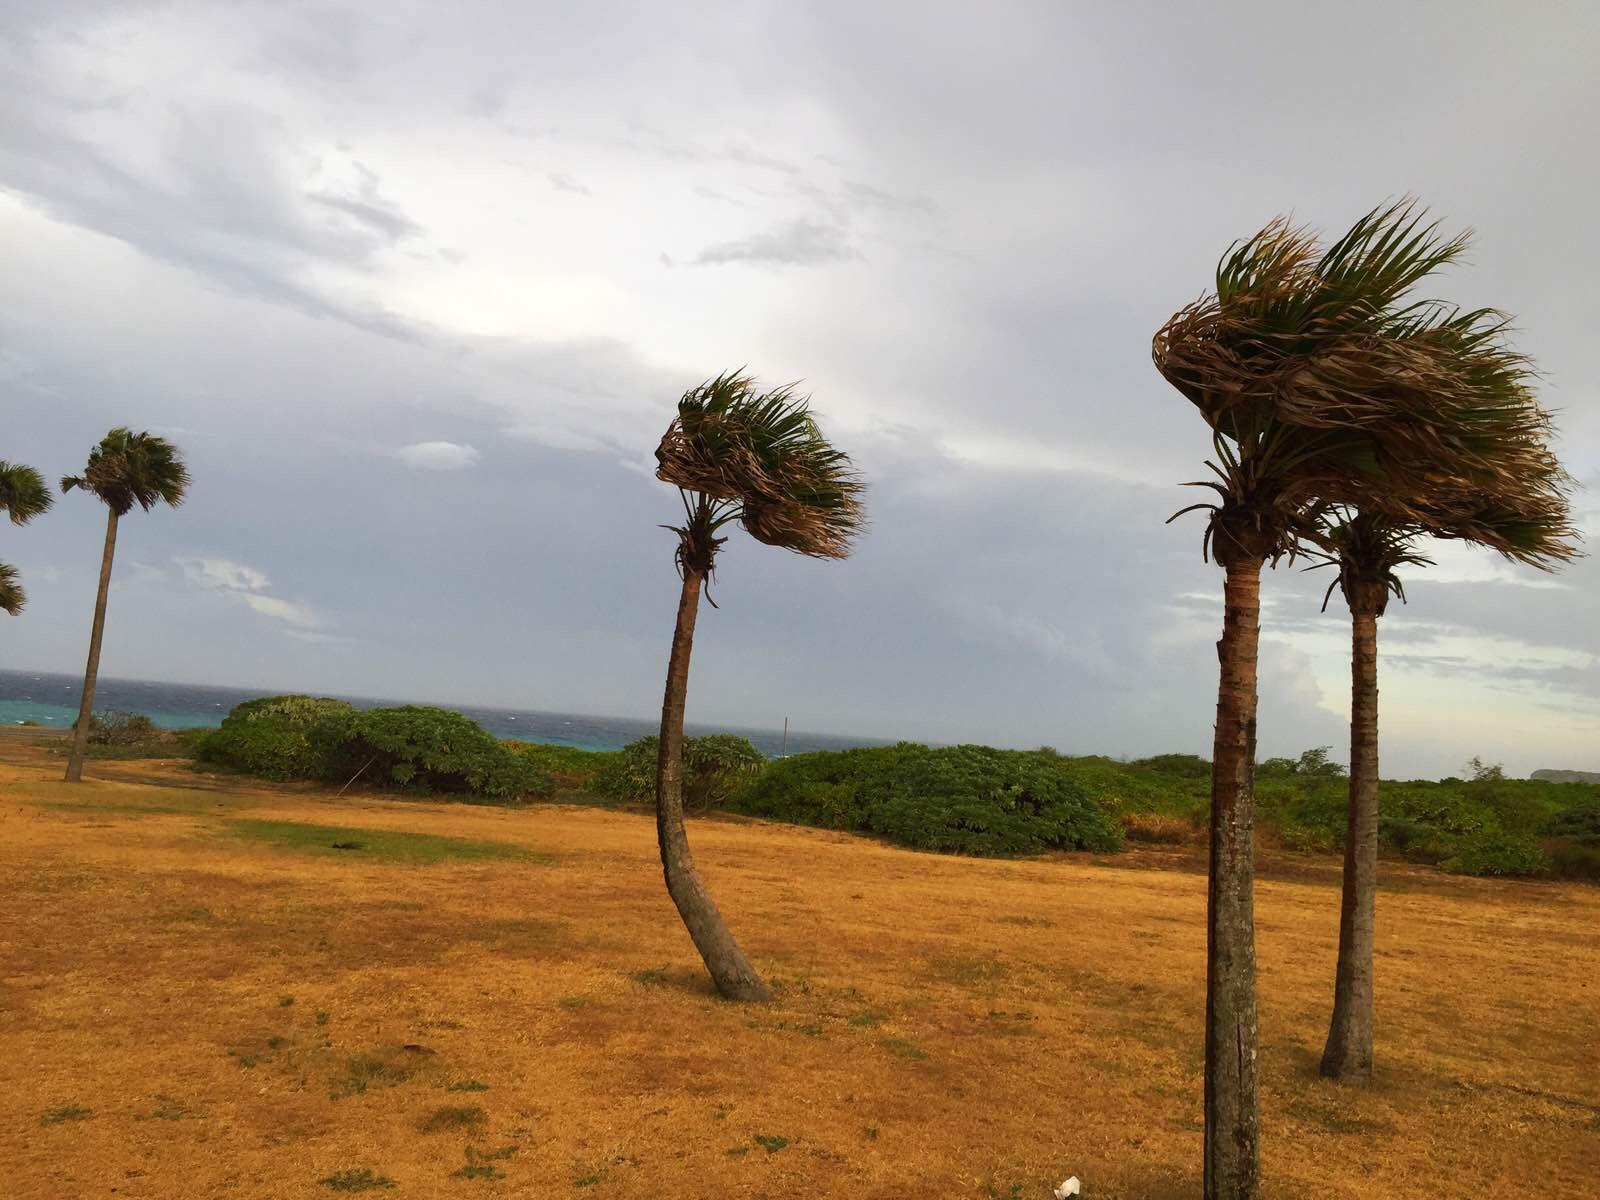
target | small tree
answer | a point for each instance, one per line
(736, 455)
(125, 469)
(23, 496)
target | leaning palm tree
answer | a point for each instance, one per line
(758, 459)
(1368, 548)
(125, 469)
(1308, 366)
(23, 496)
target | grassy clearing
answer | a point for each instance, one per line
(1059, 1002)
(375, 845)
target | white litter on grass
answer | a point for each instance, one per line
(1069, 1187)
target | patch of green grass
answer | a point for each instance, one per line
(584, 1181)
(452, 1116)
(285, 1001)
(866, 1020)
(573, 1002)
(356, 1179)
(362, 1071)
(467, 1085)
(652, 977)
(903, 1048)
(964, 971)
(376, 845)
(67, 1112)
(322, 1016)
(166, 1109)
(771, 1142)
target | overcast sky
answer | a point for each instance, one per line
(416, 286)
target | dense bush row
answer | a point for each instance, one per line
(958, 799)
(1483, 826)
(426, 749)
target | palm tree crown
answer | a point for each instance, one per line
(12, 598)
(129, 468)
(737, 454)
(1325, 383)
(23, 494)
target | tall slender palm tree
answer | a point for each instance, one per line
(125, 469)
(1310, 368)
(23, 496)
(736, 455)
(1368, 548)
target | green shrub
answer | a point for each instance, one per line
(436, 750)
(1184, 766)
(430, 749)
(281, 737)
(567, 765)
(954, 799)
(269, 748)
(1576, 860)
(715, 767)
(308, 711)
(1498, 855)
(118, 728)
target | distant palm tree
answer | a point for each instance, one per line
(758, 459)
(1323, 384)
(23, 496)
(125, 469)
(1368, 548)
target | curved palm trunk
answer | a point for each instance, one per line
(730, 970)
(80, 732)
(1231, 1153)
(1348, 1055)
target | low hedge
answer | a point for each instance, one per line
(413, 746)
(953, 799)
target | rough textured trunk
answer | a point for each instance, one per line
(1231, 1150)
(1348, 1055)
(80, 732)
(730, 970)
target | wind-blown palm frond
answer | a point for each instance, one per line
(12, 598)
(761, 459)
(129, 468)
(23, 494)
(1326, 384)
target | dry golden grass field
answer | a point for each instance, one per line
(201, 997)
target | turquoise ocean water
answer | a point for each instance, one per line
(53, 700)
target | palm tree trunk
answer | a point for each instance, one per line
(730, 970)
(80, 732)
(1231, 1151)
(1348, 1055)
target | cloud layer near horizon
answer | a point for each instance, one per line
(416, 294)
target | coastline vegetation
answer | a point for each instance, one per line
(972, 800)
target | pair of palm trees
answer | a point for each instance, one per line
(1349, 420)
(124, 470)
